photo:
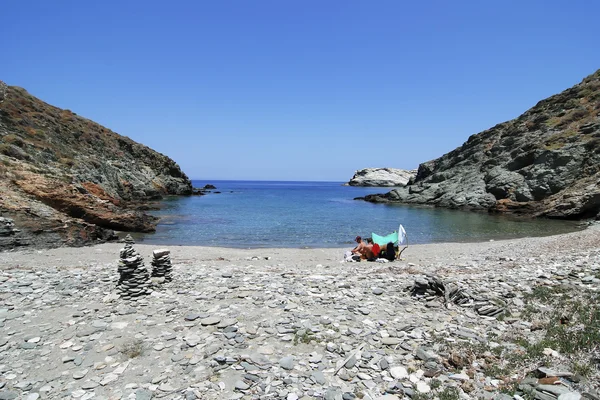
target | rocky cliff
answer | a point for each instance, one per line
(544, 163)
(381, 177)
(67, 180)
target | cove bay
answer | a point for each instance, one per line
(259, 214)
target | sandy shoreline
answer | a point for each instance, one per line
(419, 253)
(275, 323)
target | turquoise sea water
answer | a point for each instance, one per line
(254, 214)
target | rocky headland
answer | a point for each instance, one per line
(516, 319)
(66, 180)
(545, 163)
(382, 177)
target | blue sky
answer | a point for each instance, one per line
(297, 90)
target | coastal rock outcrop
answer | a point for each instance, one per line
(382, 177)
(544, 163)
(67, 180)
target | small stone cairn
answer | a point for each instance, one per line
(129, 240)
(134, 280)
(161, 265)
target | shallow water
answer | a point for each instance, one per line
(254, 214)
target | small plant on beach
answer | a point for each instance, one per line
(132, 348)
(584, 369)
(572, 323)
(449, 393)
(303, 336)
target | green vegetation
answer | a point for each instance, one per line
(449, 393)
(304, 336)
(564, 319)
(67, 161)
(13, 151)
(560, 139)
(13, 139)
(133, 348)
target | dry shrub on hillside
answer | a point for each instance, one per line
(3, 90)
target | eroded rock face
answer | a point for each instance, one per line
(386, 177)
(66, 180)
(544, 163)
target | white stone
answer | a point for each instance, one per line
(77, 393)
(399, 372)
(422, 387)
(119, 325)
(121, 368)
(108, 378)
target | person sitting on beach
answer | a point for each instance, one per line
(364, 248)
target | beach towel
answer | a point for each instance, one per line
(382, 241)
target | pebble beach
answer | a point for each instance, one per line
(289, 323)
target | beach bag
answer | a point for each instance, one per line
(376, 249)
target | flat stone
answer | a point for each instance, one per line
(192, 340)
(318, 377)
(551, 372)
(287, 363)
(191, 317)
(165, 387)
(399, 372)
(422, 387)
(210, 321)
(226, 323)
(87, 385)
(77, 394)
(143, 394)
(391, 341)
(425, 355)
(459, 377)
(8, 395)
(351, 362)
(554, 389)
(241, 385)
(108, 378)
(570, 396)
(80, 374)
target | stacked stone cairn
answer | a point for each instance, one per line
(134, 279)
(128, 239)
(161, 265)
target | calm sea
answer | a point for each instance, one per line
(254, 214)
